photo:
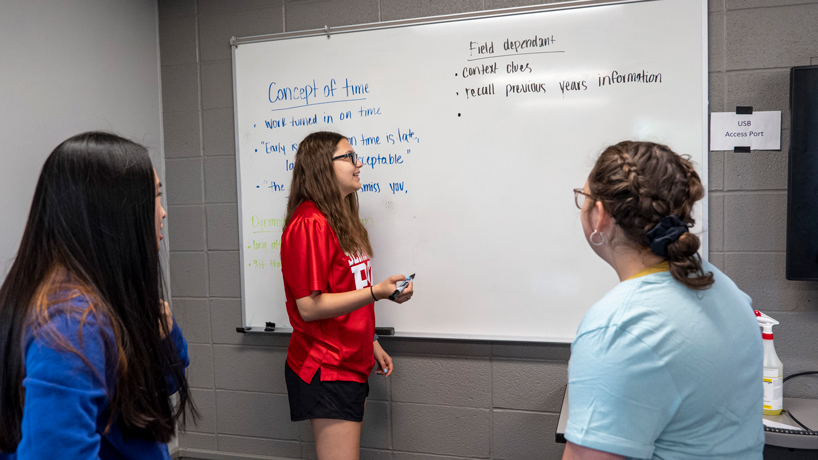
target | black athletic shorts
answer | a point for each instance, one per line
(341, 399)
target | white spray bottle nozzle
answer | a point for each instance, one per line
(765, 322)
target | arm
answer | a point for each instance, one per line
(175, 334)
(577, 452)
(170, 330)
(620, 395)
(331, 305)
(179, 343)
(383, 360)
(308, 249)
(63, 394)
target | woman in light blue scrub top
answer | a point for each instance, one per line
(668, 364)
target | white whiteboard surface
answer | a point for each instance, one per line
(472, 193)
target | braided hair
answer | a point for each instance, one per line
(639, 184)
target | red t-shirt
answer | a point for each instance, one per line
(312, 260)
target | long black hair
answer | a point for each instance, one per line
(91, 231)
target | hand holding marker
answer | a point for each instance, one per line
(401, 286)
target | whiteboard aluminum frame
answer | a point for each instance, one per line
(238, 177)
(329, 31)
(704, 251)
(430, 335)
(235, 42)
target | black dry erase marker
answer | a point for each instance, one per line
(401, 286)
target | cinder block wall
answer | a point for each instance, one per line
(446, 399)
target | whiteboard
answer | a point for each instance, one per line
(473, 129)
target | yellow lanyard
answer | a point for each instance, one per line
(662, 267)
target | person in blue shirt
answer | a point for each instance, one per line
(668, 364)
(89, 351)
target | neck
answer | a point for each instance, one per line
(628, 262)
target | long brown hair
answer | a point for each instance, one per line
(314, 180)
(91, 232)
(639, 184)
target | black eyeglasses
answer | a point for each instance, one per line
(351, 155)
(585, 196)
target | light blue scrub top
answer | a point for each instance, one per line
(662, 371)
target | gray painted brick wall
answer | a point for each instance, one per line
(446, 399)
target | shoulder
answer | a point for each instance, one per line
(657, 308)
(723, 285)
(76, 322)
(611, 309)
(654, 295)
(307, 215)
(74, 347)
(307, 220)
(645, 308)
(307, 211)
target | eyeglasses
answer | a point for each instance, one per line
(581, 202)
(351, 155)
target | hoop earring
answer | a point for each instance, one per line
(602, 238)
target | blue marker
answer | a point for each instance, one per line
(401, 286)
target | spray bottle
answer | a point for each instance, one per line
(773, 369)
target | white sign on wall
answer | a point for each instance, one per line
(758, 131)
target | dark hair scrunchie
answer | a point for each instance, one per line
(667, 231)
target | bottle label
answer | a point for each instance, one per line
(773, 391)
(771, 372)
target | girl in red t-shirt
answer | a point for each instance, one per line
(330, 296)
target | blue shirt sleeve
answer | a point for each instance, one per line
(64, 391)
(180, 342)
(620, 397)
(181, 347)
